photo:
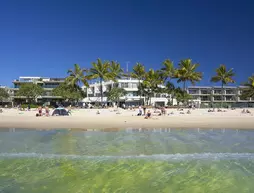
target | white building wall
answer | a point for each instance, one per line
(131, 86)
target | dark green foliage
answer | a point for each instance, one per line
(3, 94)
(69, 92)
(115, 93)
(30, 91)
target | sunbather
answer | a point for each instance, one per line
(148, 115)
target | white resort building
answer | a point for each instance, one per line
(131, 98)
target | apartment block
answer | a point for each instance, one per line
(48, 84)
(213, 95)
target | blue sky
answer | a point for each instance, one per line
(46, 37)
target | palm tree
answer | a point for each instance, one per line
(182, 96)
(187, 72)
(101, 71)
(152, 81)
(170, 90)
(76, 76)
(223, 76)
(248, 92)
(115, 70)
(168, 70)
(139, 73)
(115, 94)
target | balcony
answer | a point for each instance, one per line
(205, 98)
(205, 92)
(50, 86)
(193, 92)
(217, 92)
(230, 92)
(218, 98)
(230, 99)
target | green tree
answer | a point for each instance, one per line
(182, 96)
(168, 70)
(115, 94)
(77, 76)
(30, 91)
(68, 92)
(248, 92)
(3, 94)
(151, 83)
(170, 90)
(100, 70)
(139, 73)
(115, 71)
(187, 72)
(224, 76)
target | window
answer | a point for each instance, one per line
(230, 91)
(230, 98)
(51, 85)
(217, 91)
(205, 98)
(134, 85)
(217, 98)
(192, 91)
(135, 93)
(205, 92)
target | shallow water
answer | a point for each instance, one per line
(132, 160)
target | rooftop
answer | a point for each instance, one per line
(36, 78)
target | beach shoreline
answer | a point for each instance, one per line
(88, 119)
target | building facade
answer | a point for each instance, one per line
(7, 101)
(131, 98)
(48, 84)
(212, 96)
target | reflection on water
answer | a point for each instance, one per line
(131, 160)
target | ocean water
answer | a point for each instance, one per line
(131, 160)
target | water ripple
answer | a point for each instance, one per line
(172, 157)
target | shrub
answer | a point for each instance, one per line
(31, 106)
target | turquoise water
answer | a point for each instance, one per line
(131, 160)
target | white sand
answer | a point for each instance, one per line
(88, 119)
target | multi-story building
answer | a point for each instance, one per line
(208, 96)
(131, 98)
(48, 84)
(7, 101)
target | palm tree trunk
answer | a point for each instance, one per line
(221, 104)
(101, 91)
(140, 92)
(184, 85)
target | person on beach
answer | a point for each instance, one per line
(46, 111)
(144, 110)
(148, 115)
(163, 111)
(139, 111)
(39, 112)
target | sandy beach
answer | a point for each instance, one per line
(109, 119)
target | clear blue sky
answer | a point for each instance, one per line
(46, 37)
